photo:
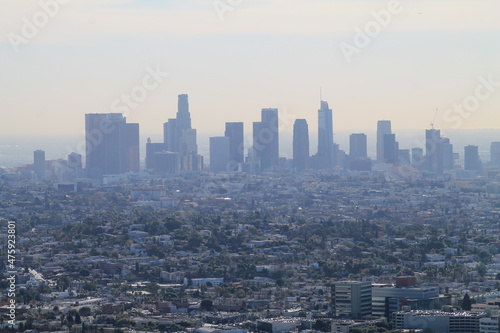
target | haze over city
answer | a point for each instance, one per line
(234, 60)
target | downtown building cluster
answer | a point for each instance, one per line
(112, 148)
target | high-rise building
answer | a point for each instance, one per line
(170, 138)
(447, 154)
(219, 153)
(391, 148)
(300, 144)
(39, 163)
(495, 154)
(417, 158)
(433, 151)
(471, 158)
(179, 137)
(383, 128)
(151, 149)
(404, 156)
(325, 137)
(352, 299)
(166, 163)
(183, 115)
(112, 144)
(438, 152)
(132, 146)
(357, 145)
(75, 166)
(266, 139)
(234, 131)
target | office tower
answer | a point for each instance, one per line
(219, 153)
(170, 138)
(75, 166)
(352, 299)
(325, 136)
(383, 128)
(433, 153)
(179, 137)
(495, 154)
(404, 156)
(357, 145)
(151, 149)
(112, 144)
(183, 115)
(300, 144)
(390, 152)
(39, 163)
(132, 146)
(234, 131)
(389, 298)
(166, 163)
(447, 154)
(417, 158)
(471, 158)
(266, 139)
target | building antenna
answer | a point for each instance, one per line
(435, 114)
(321, 93)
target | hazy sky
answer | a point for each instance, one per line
(234, 57)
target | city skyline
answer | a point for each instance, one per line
(90, 54)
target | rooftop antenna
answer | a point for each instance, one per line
(320, 93)
(435, 114)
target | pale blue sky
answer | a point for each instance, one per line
(274, 53)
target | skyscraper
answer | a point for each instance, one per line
(300, 144)
(266, 139)
(325, 136)
(447, 154)
(417, 158)
(391, 148)
(39, 164)
(433, 151)
(234, 131)
(383, 128)
(132, 146)
(495, 154)
(183, 115)
(357, 145)
(179, 137)
(219, 153)
(151, 149)
(471, 158)
(112, 144)
(170, 138)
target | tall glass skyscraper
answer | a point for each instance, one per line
(325, 135)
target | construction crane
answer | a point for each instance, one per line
(435, 114)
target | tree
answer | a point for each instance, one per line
(84, 311)
(206, 305)
(466, 302)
